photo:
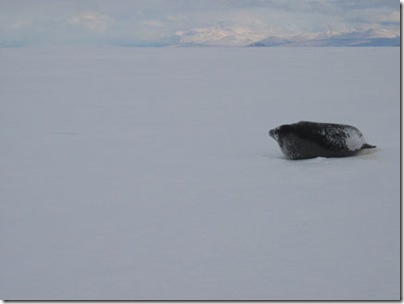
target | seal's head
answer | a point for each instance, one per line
(274, 133)
(281, 131)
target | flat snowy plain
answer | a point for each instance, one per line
(148, 173)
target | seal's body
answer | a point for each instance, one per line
(307, 139)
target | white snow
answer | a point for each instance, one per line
(134, 174)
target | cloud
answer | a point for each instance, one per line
(92, 21)
(152, 23)
(392, 17)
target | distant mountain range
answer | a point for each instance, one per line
(354, 38)
(222, 36)
(219, 36)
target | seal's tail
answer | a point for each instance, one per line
(367, 146)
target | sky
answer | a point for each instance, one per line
(199, 22)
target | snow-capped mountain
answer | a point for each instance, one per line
(241, 36)
(218, 36)
(368, 37)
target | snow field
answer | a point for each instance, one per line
(134, 174)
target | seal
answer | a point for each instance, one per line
(307, 139)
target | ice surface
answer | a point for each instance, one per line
(149, 174)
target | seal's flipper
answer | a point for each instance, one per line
(367, 146)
